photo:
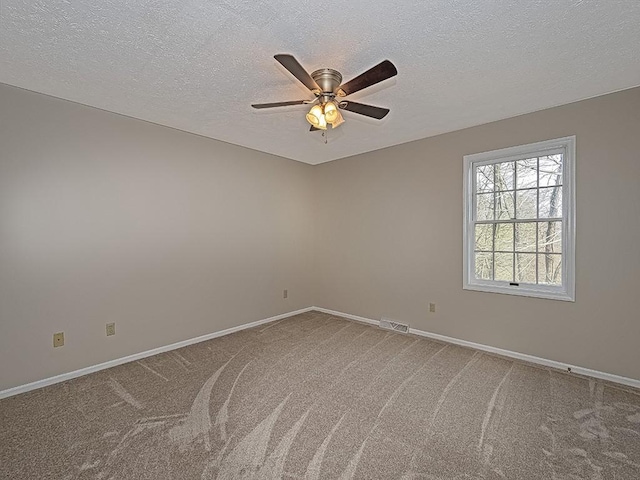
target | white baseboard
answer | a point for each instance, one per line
(486, 348)
(631, 382)
(347, 315)
(138, 356)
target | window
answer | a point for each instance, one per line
(519, 220)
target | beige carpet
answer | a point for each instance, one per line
(316, 397)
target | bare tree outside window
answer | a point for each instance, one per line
(519, 203)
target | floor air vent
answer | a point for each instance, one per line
(391, 325)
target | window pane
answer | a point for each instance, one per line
(504, 237)
(504, 206)
(484, 178)
(504, 267)
(504, 173)
(526, 267)
(550, 202)
(550, 237)
(550, 269)
(484, 237)
(526, 204)
(527, 173)
(550, 170)
(484, 206)
(526, 237)
(484, 266)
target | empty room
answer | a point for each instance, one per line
(293, 240)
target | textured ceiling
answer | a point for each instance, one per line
(197, 65)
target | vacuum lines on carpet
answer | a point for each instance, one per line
(319, 397)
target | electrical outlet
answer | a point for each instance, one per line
(285, 293)
(432, 307)
(111, 329)
(58, 339)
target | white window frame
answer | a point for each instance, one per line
(566, 292)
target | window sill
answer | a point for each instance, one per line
(521, 291)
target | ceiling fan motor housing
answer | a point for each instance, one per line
(328, 80)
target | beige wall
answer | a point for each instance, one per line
(390, 238)
(108, 219)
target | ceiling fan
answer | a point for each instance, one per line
(326, 86)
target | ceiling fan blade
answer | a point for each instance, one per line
(368, 110)
(279, 104)
(294, 67)
(314, 129)
(380, 72)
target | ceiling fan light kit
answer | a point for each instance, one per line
(325, 114)
(326, 86)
